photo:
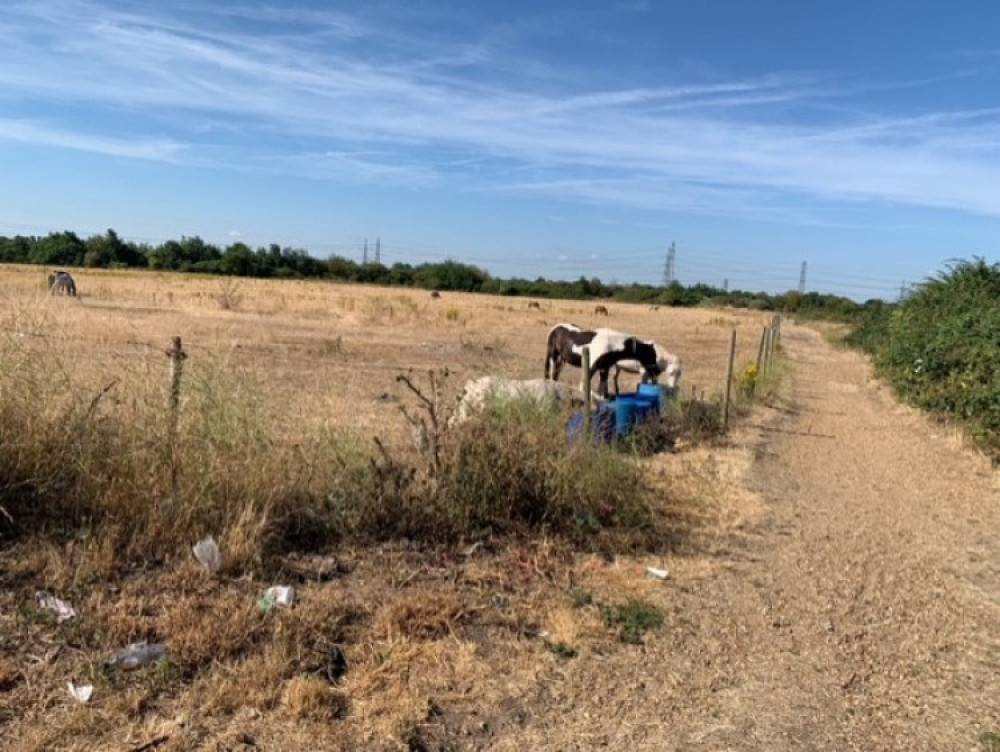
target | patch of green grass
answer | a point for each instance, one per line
(560, 649)
(632, 619)
(990, 741)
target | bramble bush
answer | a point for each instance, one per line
(940, 348)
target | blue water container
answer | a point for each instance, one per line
(602, 425)
(605, 422)
(655, 394)
(629, 410)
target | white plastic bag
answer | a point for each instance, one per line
(207, 552)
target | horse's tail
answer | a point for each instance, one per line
(549, 352)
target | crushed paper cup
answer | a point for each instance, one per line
(279, 595)
(62, 610)
(83, 693)
(660, 574)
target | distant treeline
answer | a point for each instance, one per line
(109, 251)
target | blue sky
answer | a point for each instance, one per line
(532, 138)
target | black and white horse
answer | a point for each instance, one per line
(609, 348)
(61, 283)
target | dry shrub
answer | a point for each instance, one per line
(509, 472)
(429, 616)
(253, 681)
(10, 674)
(103, 461)
(690, 421)
(512, 471)
(229, 296)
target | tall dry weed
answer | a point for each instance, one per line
(87, 444)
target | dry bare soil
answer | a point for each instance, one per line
(834, 579)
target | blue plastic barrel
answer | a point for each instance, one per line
(655, 394)
(629, 410)
(603, 424)
(605, 421)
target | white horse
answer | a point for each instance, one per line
(479, 393)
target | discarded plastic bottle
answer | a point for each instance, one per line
(137, 654)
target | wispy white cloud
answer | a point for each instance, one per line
(27, 132)
(360, 167)
(321, 94)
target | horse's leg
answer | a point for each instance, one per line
(602, 388)
(553, 365)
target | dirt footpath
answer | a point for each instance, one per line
(857, 609)
(871, 600)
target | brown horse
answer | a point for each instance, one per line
(601, 311)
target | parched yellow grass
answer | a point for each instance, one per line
(421, 631)
(325, 351)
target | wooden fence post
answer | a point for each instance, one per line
(772, 344)
(768, 349)
(760, 351)
(729, 380)
(177, 355)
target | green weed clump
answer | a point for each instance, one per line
(632, 619)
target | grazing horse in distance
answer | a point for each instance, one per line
(435, 294)
(534, 304)
(601, 311)
(607, 348)
(61, 283)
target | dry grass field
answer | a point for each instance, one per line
(327, 351)
(446, 647)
